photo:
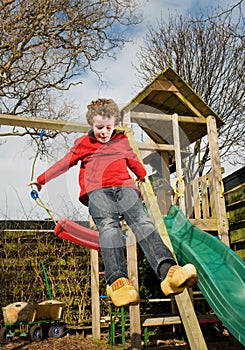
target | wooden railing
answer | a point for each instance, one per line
(200, 203)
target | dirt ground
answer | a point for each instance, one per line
(77, 342)
(72, 340)
(68, 342)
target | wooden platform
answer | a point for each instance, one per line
(173, 320)
(169, 320)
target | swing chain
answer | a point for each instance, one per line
(42, 143)
(34, 194)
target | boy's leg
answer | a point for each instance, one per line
(174, 278)
(103, 208)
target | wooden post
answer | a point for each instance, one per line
(95, 294)
(132, 265)
(134, 310)
(217, 184)
(163, 195)
(179, 179)
(190, 321)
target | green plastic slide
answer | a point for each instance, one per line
(221, 271)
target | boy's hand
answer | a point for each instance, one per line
(36, 183)
(140, 180)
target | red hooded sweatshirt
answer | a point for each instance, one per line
(102, 164)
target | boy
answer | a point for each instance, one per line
(109, 192)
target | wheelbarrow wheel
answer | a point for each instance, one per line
(5, 335)
(56, 330)
(36, 333)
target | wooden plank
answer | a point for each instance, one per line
(211, 195)
(234, 195)
(204, 194)
(189, 105)
(169, 320)
(234, 205)
(196, 198)
(188, 200)
(241, 253)
(217, 180)
(236, 215)
(39, 123)
(137, 116)
(163, 195)
(134, 310)
(190, 321)
(161, 321)
(158, 321)
(205, 224)
(155, 146)
(176, 136)
(162, 85)
(238, 236)
(95, 295)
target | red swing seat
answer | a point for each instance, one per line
(76, 233)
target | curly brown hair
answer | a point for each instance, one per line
(106, 108)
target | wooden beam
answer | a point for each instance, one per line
(95, 294)
(188, 104)
(238, 235)
(163, 193)
(205, 224)
(163, 85)
(134, 310)
(190, 321)
(169, 320)
(217, 184)
(178, 163)
(137, 116)
(155, 147)
(39, 123)
(159, 321)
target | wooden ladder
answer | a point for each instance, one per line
(183, 300)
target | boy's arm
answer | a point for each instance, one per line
(60, 167)
(134, 163)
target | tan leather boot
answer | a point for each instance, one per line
(122, 292)
(179, 278)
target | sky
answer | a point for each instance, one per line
(61, 195)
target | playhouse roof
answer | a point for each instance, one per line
(165, 95)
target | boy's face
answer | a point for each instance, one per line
(103, 128)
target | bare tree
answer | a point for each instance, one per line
(208, 52)
(49, 45)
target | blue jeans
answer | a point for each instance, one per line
(105, 207)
